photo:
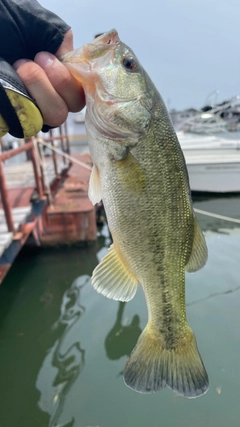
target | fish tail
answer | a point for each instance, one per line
(153, 366)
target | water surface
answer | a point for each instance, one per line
(64, 347)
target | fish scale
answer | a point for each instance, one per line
(140, 174)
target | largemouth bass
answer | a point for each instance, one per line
(140, 174)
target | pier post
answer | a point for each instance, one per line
(54, 154)
(36, 174)
(67, 137)
(5, 201)
(41, 167)
(62, 143)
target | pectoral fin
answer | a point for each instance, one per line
(113, 279)
(131, 174)
(95, 191)
(198, 257)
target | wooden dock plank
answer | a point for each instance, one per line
(17, 211)
(5, 241)
(71, 217)
(74, 190)
(21, 175)
(19, 217)
(19, 197)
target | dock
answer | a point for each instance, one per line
(70, 217)
(44, 199)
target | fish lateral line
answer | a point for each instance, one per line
(141, 174)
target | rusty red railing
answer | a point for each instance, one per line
(29, 147)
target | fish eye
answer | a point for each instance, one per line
(129, 63)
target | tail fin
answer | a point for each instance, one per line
(151, 366)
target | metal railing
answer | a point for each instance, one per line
(30, 148)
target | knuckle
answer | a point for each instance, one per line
(30, 73)
(62, 82)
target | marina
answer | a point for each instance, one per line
(44, 200)
(63, 346)
(210, 140)
(64, 368)
(69, 356)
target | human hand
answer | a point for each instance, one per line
(51, 85)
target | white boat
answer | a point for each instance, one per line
(211, 119)
(222, 142)
(216, 172)
(206, 123)
(213, 160)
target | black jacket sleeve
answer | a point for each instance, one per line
(27, 28)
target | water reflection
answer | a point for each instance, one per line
(121, 338)
(227, 206)
(215, 294)
(65, 360)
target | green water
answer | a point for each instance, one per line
(64, 347)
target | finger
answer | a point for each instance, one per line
(67, 44)
(62, 80)
(51, 104)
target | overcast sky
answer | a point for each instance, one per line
(188, 47)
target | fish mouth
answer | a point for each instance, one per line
(84, 63)
(81, 61)
(110, 38)
(94, 49)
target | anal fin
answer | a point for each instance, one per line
(199, 254)
(112, 278)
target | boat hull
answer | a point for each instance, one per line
(213, 162)
(217, 172)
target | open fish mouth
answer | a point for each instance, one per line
(94, 50)
(83, 61)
